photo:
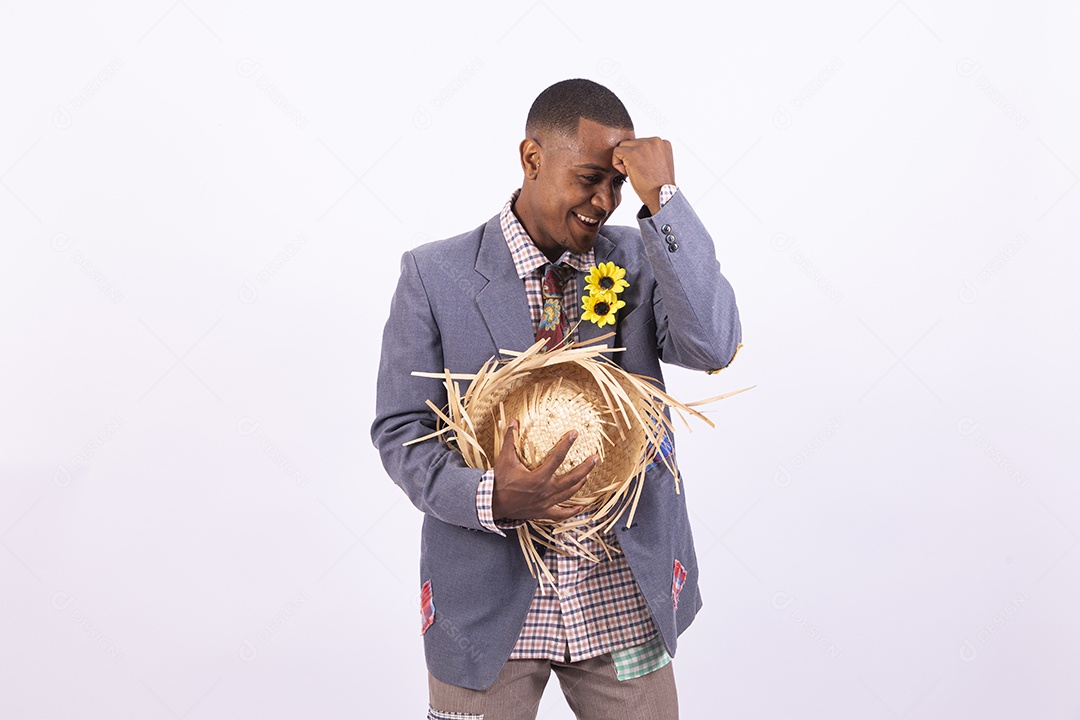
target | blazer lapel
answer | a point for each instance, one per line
(502, 300)
(589, 330)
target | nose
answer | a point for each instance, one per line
(606, 199)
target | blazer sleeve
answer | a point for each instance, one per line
(433, 475)
(697, 321)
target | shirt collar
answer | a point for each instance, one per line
(528, 258)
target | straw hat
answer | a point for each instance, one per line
(618, 415)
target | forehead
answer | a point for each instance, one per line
(593, 143)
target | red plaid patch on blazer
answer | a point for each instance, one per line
(677, 583)
(427, 608)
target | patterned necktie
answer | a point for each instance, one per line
(553, 321)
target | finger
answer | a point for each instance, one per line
(564, 509)
(556, 455)
(577, 478)
(565, 487)
(580, 470)
(618, 160)
(569, 483)
(557, 513)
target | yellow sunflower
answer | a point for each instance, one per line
(606, 278)
(601, 308)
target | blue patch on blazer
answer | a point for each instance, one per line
(666, 450)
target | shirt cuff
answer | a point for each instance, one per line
(484, 492)
(666, 193)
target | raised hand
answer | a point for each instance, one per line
(649, 165)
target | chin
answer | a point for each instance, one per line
(579, 246)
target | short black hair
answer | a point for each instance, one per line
(561, 107)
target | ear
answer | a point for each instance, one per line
(531, 154)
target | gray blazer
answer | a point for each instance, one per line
(457, 302)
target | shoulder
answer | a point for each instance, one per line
(450, 246)
(448, 265)
(452, 251)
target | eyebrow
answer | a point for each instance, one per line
(600, 168)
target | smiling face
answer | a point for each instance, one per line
(571, 187)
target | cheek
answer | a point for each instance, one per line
(562, 202)
(579, 196)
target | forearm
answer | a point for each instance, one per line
(697, 319)
(432, 474)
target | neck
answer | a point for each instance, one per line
(522, 210)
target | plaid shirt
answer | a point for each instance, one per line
(602, 609)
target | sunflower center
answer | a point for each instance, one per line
(607, 283)
(601, 308)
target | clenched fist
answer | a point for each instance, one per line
(649, 165)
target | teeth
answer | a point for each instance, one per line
(587, 221)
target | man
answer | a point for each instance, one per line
(492, 634)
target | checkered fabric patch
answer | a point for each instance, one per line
(640, 659)
(677, 583)
(437, 715)
(427, 608)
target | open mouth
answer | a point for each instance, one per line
(589, 223)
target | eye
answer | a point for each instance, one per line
(590, 178)
(619, 180)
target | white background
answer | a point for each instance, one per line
(203, 206)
